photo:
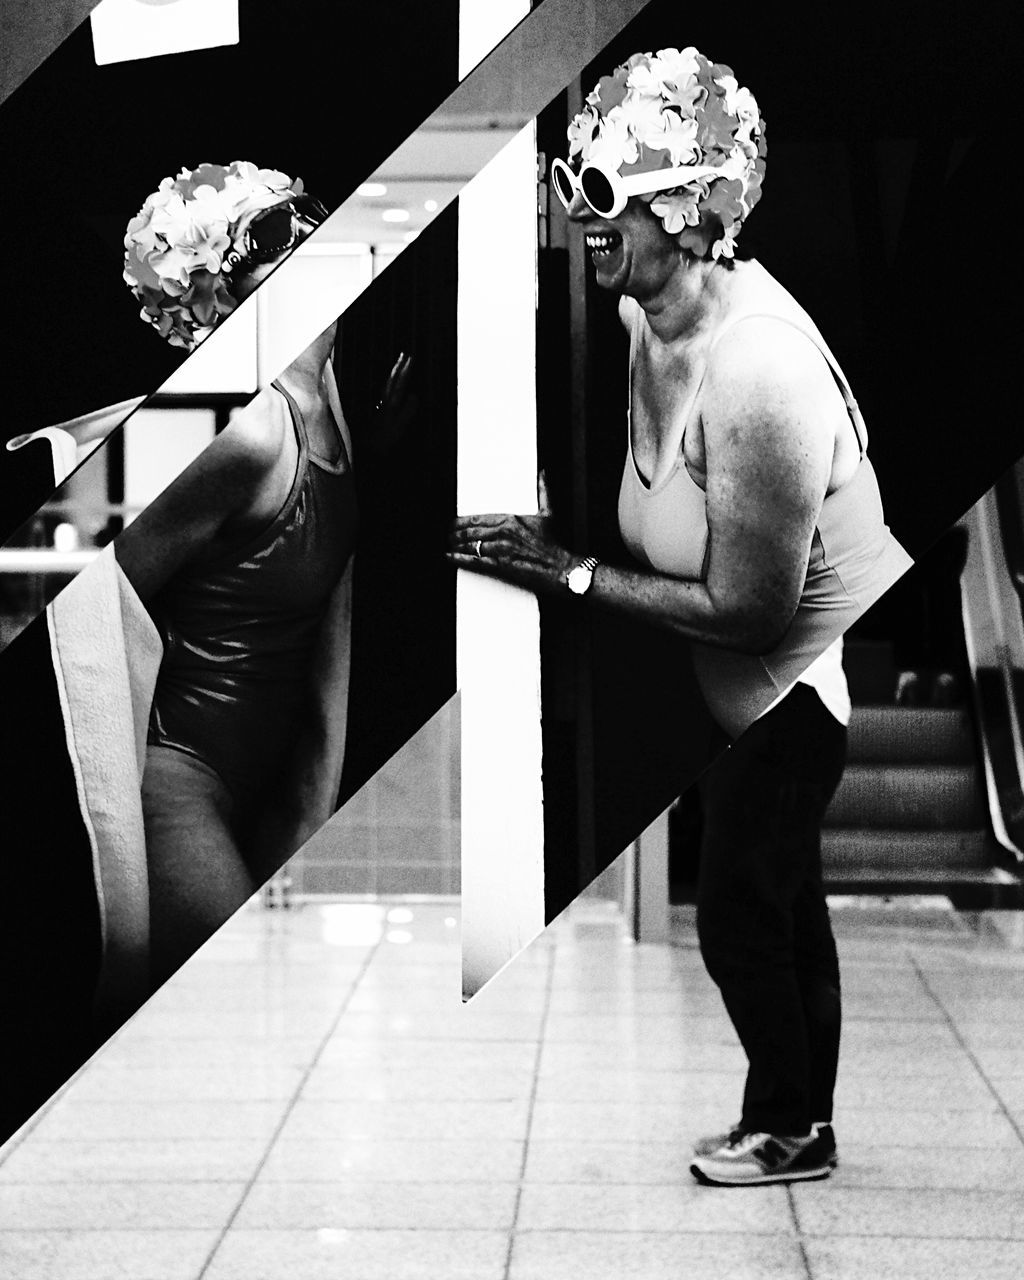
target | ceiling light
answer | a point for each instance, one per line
(371, 190)
(395, 215)
(430, 205)
(123, 30)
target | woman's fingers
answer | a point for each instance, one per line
(543, 502)
(468, 528)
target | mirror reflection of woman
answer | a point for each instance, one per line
(756, 530)
(241, 562)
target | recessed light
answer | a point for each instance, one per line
(410, 236)
(395, 215)
(371, 189)
(430, 205)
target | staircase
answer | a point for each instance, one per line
(910, 816)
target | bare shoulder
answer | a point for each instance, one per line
(764, 367)
(256, 435)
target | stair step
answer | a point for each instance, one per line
(896, 850)
(925, 796)
(904, 735)
(967, 888)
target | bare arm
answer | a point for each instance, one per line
(221, 483)
(769, 404)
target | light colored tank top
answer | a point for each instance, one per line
(853, 560)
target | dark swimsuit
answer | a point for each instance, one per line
(239, 627)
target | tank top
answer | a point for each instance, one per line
(853, 559)
(239, 627)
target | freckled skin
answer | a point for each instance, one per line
(771, 437)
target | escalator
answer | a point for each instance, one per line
(931, 800)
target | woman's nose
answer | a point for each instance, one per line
(579, 210)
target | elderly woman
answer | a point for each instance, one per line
(755, 523)
(241, 562)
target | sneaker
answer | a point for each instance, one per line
(709, 1145)
(756, 1159)
(827, 1136)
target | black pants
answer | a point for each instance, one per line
(762, 918)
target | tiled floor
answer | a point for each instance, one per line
(308, 1099)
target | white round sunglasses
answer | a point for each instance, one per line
(606, 191)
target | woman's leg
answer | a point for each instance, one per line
(197, 877)
(817, 962)
(763, 806)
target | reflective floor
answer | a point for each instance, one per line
(308, 1099)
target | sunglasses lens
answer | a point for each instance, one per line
(310, 209)
(271, 233)
(597, 190)
(561, 179)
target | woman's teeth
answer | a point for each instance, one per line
(603, 243)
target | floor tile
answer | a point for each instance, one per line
(917, 1128)
(882, 1061)
(954, 1168)
(662, 1002)
(853, 1258)
(236, 1053)
(992, 1035)
(641, 1030)
(252, 1082)
(406, 1160)
(678, 1088)
(455, 1082)
(573, 1255)
(409, 1054)
(330, 1254)
(134, 1160)
(1010, 1092)
(117, 1206)
(432, 1024)
(999, 1064)
(830, 1210)
(673, 1206)
(425, 1206)
(157, 1121)
(600, 1161)
(654, 1057)
(470, 1121)
(104, 1255)
(920, 1035)
(625, 1121)
(963, 1089)
(270, 1022)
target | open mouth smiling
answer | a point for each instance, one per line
(602, 244)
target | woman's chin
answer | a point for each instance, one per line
(610, 269)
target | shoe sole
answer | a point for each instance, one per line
(816, 1174)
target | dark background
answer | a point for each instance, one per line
(321, 90)
(403, 608)
(888, 215)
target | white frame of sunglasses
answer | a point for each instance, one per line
(634, 184)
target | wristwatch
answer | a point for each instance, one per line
(578, 580)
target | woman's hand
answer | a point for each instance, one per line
(516, 549)
(397, 406)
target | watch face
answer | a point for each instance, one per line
(578, 579)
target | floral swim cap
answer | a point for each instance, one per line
(672, 108)
(175, 247)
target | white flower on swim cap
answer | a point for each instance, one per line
(176, 245)
(674, 108)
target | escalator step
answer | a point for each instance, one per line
(855, 849)
(906, 735)
(870, 670)
(921, 796)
